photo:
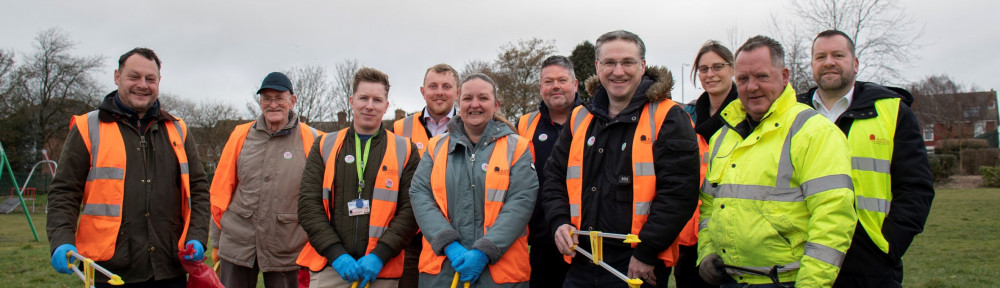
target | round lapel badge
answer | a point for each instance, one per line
(388, 183)
(420, 145)
(485, 166)
(349, 159)
(590, 142)
(623, 146)
(543, 137)
(288, 155)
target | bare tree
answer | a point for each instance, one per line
(343, 83)
(210, 122)
(8, 101)
(314, 92)
(881, 30)
(516, 71)
(55, 85)
(936, 102)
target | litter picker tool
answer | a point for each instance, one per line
(597, 249)
(454, 282)
(87, 275)
(771, 274)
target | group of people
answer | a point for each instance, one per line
(720, 191)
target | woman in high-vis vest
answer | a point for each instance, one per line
(473, 195)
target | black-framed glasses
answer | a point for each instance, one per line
(715, 67)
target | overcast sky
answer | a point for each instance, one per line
(221, 50)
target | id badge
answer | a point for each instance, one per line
(358, 207)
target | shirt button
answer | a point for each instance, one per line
(152, 248)
(734, 165)
(147, 214)
(723, 206)
(600, 150)
(267, 178)
(593, 188)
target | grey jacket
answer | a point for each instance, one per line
(261, 224)
(465, 182)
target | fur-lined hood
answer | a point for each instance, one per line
(660, 90)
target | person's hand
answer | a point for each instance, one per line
(565, 240)
(346, 267)
(472, 265)
(60, 261)
(368, 267)
(712, 271)
(199, 251)
(637, 269)
(454, 251)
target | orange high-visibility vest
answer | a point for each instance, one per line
(512, 266)
(689, 235)
(104, 192)
(643, 171)
(383, 203)
(526, 128)
(410, 127)
(224, 183)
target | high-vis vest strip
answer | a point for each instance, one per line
(104, 192)
(410, 127)
(511, 268)
(643, 173)
(383, 202)
(526, 128)
(872, 142)
(225, 181)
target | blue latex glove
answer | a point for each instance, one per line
(199, 251)
(471, 266)
(59, 259)
(454, 252)
(369, 266)
(346, 267)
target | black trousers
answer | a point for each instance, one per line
(686, 273)
(411, 257)
(238, 276)
(548, 269)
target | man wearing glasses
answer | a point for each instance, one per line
(627, 164)
(255, 192)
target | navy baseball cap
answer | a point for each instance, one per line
(277, 81)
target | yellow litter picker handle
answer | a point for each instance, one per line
(454, 282)
(88, 270)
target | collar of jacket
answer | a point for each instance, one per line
(704, 103)
(493, 132)
(865, 95)
(544, 110)
(655, 86)
(293, 122)
(735, 114)
(109, 111)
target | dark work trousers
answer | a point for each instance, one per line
(686, 271)
(179, 282)
(583, 273)
(238, 276)
(744, 285)
(865, 265)
(411, 273)
(548, 269)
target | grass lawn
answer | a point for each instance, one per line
(957, 249)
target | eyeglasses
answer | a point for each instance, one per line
(267, 101)
(611, 64)
(715, 67)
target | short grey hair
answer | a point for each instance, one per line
(561, 61)
(619, 35)
(777, 52)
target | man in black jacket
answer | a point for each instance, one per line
(892, 180)
(611, 191)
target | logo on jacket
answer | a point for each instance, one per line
(876, 140)
(497, 170)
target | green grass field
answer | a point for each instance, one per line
(959, 246)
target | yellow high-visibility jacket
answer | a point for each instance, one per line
(782, 195)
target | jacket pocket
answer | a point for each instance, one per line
(123, 253)
(287, 237)
(237, 226)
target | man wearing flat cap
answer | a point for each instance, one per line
(256, 189)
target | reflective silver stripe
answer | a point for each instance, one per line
(110, 210)
(760, 193)
(703, 224)
(442, 144)
(111, 173)
(511, 147)
(785, 167)
(177, 126)
(314, 132)
(326, 193)
(824, 253)
(327, 150)
(705, 158)
(644, 169)
(718, 142)
(400, 155)
(184, 168)
(573, 172)
(826, 183)
(495, 195)
(652, 120)
(642, 208)
(783, 269)
(708, 189)
(531, 119)
(94, 131)
(408, 126)
(574, 210)
(385, 195)
(870, 164)
(376, 231)
(873, 204)
(580, 114)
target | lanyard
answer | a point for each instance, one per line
(362, 159)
